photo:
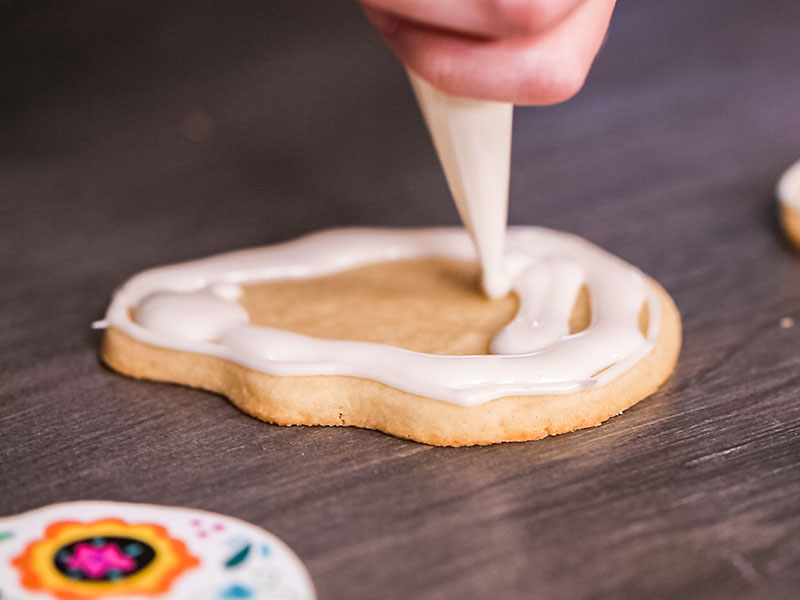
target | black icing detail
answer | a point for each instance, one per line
(113, 558)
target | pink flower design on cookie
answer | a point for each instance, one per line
(97, 561)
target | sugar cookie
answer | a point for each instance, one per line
(85, 550)
(387, 329)
(788, 193)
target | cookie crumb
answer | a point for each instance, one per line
(787, 323)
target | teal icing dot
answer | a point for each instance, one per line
(236, 591)
(264, 550)
(132, 550)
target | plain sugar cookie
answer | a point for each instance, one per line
(388, 330)
(788, 193)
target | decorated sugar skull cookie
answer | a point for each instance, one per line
(87, 550)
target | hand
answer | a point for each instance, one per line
(520, 51)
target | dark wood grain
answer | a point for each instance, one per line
(667, 158)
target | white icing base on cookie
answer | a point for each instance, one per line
(789, 187)
(192, 307)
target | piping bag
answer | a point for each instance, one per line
(473, 141)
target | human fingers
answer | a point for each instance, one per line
(489, 18)
(545, 68)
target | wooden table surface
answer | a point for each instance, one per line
(134, 134)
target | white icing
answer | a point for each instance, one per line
(789, 187)
(190, 307)
(473, 142)
(197, 316)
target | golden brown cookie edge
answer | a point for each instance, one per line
(790, 223)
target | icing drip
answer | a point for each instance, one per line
(192, 307)
(197, 316)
